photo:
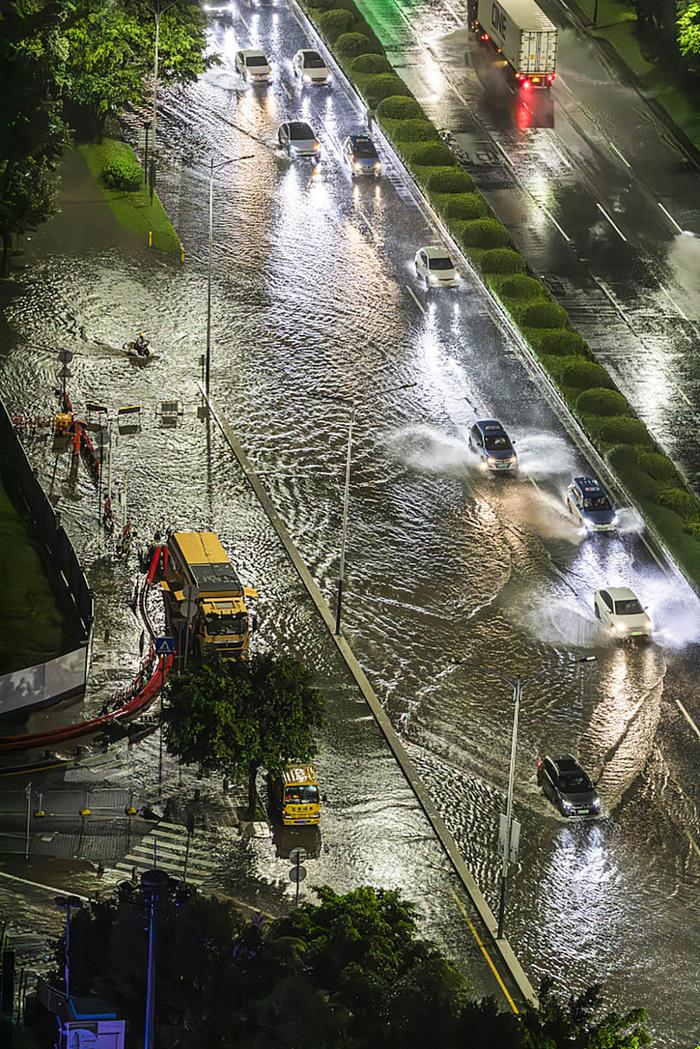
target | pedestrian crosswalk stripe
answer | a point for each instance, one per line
(170, 843)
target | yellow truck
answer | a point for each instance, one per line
(204, 595)
(295, 796)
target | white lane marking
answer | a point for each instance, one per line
(673, 302)
(450, 10)
(38, 885)
(616, 228)
(563, 82)
(369, 225)
(624, 159)
(688, 718)
(415, 298)
(669, 216)
(240, 15)
(552, 219)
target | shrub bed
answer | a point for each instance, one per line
(502, 260)
(372, 63)
(601, 401)
(121, 173)
(584, 385)
(397, 107)
(351, 45)
(484, 233)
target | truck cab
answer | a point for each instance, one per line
(294, 795)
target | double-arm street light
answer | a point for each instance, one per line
(352, 405)
(506, 835)
(67, 904)
(213, 168)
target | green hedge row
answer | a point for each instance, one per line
(590, 392)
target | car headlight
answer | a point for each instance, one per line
(307, 78)
(596, 805)
(567, 806)
(316, 147)
(491, 459)
(620, 628)
(357, 166)
(377, 168)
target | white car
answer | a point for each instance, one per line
(298, 139)
(436, 268)
(619, 609)
(253, 66)
(310, 68)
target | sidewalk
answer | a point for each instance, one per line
(616, 29)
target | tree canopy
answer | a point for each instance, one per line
(689, 35)
(352, 969)
(235, 718)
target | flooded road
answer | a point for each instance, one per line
(315, 294)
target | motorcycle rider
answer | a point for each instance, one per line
(141, 345)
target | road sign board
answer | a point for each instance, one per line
(189, 605)
(65, 356)
(165, 646)
(297, 874)
(298, 855)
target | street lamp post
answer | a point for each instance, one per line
(67, 904)
(517, 684)
(212, 168)
(154, 885)
(346, 490)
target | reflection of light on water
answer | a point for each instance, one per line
(684, 262)
(628, 521)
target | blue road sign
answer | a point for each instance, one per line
(165, 646)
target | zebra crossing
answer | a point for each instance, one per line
(165, 847)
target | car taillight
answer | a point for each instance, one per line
(550, 78)
(485, 36)
(527, 85)
(539, 763)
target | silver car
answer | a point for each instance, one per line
(361, 156)
(298, 139)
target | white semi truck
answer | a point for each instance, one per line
(523, 35)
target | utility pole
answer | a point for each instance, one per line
(344, 527)
(67, 904)
(154, 884)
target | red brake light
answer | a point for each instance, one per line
(527, 85)
(550, 78)
(539, 763)
(485, 36)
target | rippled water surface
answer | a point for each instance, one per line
(312, 295)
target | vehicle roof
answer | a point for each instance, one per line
(490, 426)
(299, 774)
(565, 762)
(588, 484)
(310, 51)
(527, 15)
(434, 252)
(207, 562)
(252, 52)
(620, 593)
(364, 137)
(300, 125)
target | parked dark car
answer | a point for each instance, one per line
(567, 786)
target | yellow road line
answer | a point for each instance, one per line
(485, 953)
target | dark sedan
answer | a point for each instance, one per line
(567, 786)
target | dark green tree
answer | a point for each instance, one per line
(689, 36)
(110, 54)
(32, 132)
(235, 718)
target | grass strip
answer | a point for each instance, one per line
(131, 208)
(669, 507)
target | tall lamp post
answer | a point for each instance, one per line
(212, 168)
(155, 885)
(352, 405)
(506, 836)
(67, 904)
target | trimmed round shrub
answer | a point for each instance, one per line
(657, 466)
(546, 315)
(502, 260)
(349, 45)
(693, 528)
(397, 107)
(372, 63)
(586, 375)
(564, 343)
(681, 502)
(121, 173)
(464, 206)
(453, 181)
(334, 23)
(600, 401)
(621, 429)
(520, 287)
(484, 233)
(414, 130)
(431, 154)
(384, 85)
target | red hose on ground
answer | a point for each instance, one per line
(141, 699)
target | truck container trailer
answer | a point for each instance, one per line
(523, 34)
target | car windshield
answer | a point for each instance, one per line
(629, 607)
(364, 148)
(571, 781)
(299, 130)
(442, 262)
(301, 795)
(313, 61)
(233, 625)
(256, 60)
(596, 502)
(497, 444)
